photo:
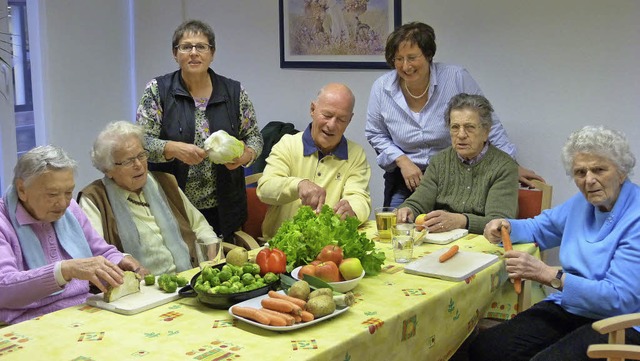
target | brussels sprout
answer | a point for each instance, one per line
(270, 277)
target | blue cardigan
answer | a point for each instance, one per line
(599, 252)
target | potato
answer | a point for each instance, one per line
(300, 290)
(321, 306)
(321, 292)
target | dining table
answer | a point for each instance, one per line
(396, 316)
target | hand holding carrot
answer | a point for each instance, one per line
(506, 241)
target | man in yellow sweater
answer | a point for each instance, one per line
(318, 166)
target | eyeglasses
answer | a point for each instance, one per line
(130, 161)
(409, 59)
(187, 48)
(468, 128)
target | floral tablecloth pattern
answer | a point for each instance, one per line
(396, 316)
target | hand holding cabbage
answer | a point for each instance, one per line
(223, 148)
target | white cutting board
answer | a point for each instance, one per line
(148, 298)
(460, 267)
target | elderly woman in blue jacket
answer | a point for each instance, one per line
(598, 233)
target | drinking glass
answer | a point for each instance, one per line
(402, 241)
(385, 219)
(208, 251)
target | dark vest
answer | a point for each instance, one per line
(178, 124)
(97, 193)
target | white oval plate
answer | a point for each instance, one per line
(255, 303)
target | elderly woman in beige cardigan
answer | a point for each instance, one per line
(141, 213)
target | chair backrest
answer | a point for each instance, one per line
(256, 210)
(532, 202)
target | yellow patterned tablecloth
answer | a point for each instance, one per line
(397, 316)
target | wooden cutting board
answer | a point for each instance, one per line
(462, 266)
(148, 298)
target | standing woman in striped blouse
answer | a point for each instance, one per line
(405, 114)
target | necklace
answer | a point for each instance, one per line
(416, 96)
(138, 203)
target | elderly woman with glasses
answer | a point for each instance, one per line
(49, 253)
(143, 214)
(406, 111)
(469, 183)
(598, 235)
(181, 109)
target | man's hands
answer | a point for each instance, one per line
(343, 209)
(311, 194)
(97, 270)
(314, 196)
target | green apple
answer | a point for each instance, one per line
(350, 268)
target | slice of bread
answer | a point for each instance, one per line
(131, 284)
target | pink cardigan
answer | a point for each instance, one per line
(27, 293)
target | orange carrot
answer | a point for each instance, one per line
(280, 305)
(297, 301)
(251, 313)
(506, 242)
(274, 320)
(298, 318)
(288, 318)
(306, 316)
(448, 254)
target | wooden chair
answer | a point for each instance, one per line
(616, 349)
(250, 235)
(532, 202)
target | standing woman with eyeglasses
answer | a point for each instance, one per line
(180, 110)
(406, 112)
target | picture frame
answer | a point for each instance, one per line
(336, 34)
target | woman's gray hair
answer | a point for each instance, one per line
(601, 141)
(40, 160)
(109, 139)
(475, 102)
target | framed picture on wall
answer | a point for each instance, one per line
(337, 34)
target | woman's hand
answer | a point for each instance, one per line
(493, 228)
(525, 266)
(442, 221)
(190, 154)
(410, 172)
(129, 263)
(404, 215)
(97, 270)
(526, 175)
(247, 156)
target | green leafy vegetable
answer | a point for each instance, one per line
(223, 148)
(303, 237)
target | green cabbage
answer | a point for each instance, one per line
(223, 148)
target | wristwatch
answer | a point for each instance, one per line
(557, 282)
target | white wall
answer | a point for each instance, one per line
(548, 66)
(83, 75)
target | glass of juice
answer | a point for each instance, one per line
(385, 219)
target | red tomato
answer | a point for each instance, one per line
(271, 260)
